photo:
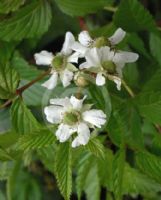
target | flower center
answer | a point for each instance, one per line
(100, 42)
(58, 62)
(109, 66)
(70, 118)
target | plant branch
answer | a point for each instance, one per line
(23, 88)
(129, 90)
(110, 8)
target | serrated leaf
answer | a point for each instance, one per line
(37, 140)
(4, 155)
(149, 164)
(63, 171)
(8, 81)
(5, 169)
(138, 17)
(8, 139)
(96, 148)
(136, 183)
(82, 172)
(23, 120)
(81, 8)
(155, 42)
(149, 105)
(118, 171)
(7, 6)
(30, 21)
(92, 184)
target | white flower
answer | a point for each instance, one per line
(86, 41)
(60, 63)
(105, 61)
(74, 117)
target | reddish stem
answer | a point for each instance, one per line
(82, 24)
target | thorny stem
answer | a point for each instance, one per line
(21, 90)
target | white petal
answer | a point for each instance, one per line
(74, 57)
(64, 132)
(66, 77)
(92, 57)
(119, 67)
(79, 48)
(100, 79)
(43, 58)
(83, 135)
(118, 83)
(105, 53)
(52, 82)
(84, 65)
(64, 102)
(117, 37)
(69, 40)
(95, 117)
(125, 57)
(54, 114)
(76, 103)
(84, 38)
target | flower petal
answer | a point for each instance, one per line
(118, 82)
(76, 103)
(117, 37)
(52, 82)
(119, 67)
(100, 79)
(125, 57)
(54, 114)
(66, 77)
(74, 57)
(95, 117)
(92, 57)
(64, 132)
(43, 58)
(79, 48)
(83, 135)
(69, 40)
(64, 102)
(85, 39)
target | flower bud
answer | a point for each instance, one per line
(101, 41)
(81, 81)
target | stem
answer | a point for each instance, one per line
(129, 90)
(82, 24)
(20, 90)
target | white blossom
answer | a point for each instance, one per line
(60, 63)
(106, 61)
(73, 118)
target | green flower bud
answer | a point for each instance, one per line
(70, 118)
(57, 62)
(109, 66)
(81, 81)
(100, 42)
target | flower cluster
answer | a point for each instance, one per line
(102, 61)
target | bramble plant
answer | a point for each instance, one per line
(80, 100)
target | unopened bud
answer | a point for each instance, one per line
(101, 41)
(109, 66)
(81, 81)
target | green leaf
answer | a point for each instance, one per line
(63, 171)
(96, 148)
(136, 183)
(37, 140)
(8, 139)
(82, 172)
(4, 155)
(149, 105)
(5, 169)
(23, 120)
(7, 6)
(132, 16)
(92, 184)
(155, 42)
(30, 21)
(154, 83)
(8, 81)
(81, 8)
(149, 164)
(118, 171)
